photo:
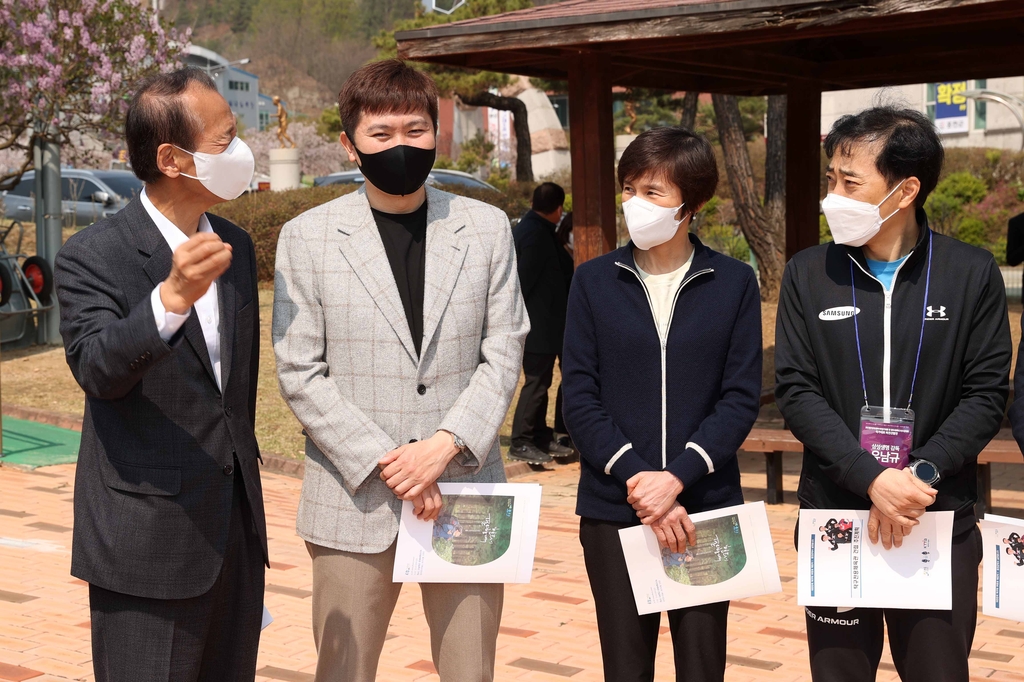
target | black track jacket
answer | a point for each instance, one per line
(962, 382)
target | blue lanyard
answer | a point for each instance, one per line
(920, 341)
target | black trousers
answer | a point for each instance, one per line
(926, 646)
(529, 423)
(629, 641)
(210, 638)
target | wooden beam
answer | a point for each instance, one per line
(592, 149)
(791, 22)
(803, 165)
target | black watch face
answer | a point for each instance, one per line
(925, 471)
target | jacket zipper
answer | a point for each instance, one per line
(886, 330)
(664, 349)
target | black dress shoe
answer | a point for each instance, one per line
(559, 451)
(528, 452)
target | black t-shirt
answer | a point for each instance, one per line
(405, 241)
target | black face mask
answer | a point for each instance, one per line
(400, 170)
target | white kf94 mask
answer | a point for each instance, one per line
(854, 222)
(227, 174)
(650, 225)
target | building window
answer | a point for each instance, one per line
(561, 105)
(264, 120)
(980, 106)
(241, 86)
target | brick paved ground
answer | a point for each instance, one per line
(548, 633)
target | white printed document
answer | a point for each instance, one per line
(485, 533)
(837, 565)
(1003, 571)
(733, 558)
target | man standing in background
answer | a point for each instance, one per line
(542, 276)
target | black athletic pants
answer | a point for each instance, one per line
(629, 641)
(926, 646)
(210, 638)
(529, 423)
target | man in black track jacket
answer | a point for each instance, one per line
(925, 316)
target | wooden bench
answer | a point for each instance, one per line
(775, 443)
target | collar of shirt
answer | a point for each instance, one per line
(172, 233)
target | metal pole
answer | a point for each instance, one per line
(1011, 102)
(46, 153)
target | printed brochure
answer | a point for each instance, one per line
(1003, 572)
(837, 565)
(733, 558)
(485, 533)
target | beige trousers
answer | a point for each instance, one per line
(354, 597)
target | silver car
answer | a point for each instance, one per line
(86, 195)
(438, 176)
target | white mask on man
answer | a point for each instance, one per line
(650, 225)
(227, 174)
(853, 222)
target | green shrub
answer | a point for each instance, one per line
(973, 231)
(263, 214)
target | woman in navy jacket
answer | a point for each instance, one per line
(662, 381)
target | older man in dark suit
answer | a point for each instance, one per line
(159, 315)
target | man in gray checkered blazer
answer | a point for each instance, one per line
(399, 329)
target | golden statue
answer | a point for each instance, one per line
(282, 125)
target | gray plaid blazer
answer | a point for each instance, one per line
(348, 367)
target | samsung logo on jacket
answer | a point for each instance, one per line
(840, 313)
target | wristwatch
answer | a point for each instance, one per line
(925, 471)
(459, 443)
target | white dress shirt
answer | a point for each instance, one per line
(207, 307)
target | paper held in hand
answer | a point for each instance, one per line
(733, 558)
(485, 533)
(837, 565)
(1003, 572)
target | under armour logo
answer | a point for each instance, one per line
(937, 312)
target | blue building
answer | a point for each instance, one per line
(240, 88)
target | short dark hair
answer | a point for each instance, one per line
(547, 196)
(684, 158)
(910, 144)
(389, 86)
(157, 115)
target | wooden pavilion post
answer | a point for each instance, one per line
(803, 164)
(592, 147)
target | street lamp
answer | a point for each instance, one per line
(1012, 102)
(237, 62)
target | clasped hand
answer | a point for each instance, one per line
(901, 496)
(653, 495)
(411, 471)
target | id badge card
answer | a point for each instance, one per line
(887, 434)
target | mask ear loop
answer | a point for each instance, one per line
(887, 199)
(193, 155)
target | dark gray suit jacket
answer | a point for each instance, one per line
(154, 481)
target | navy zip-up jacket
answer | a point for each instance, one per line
(632, 405)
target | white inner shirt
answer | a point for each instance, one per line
(207, 307)
(662, 289)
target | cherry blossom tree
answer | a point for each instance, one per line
(67, 68)
(318, 155)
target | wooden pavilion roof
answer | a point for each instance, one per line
(741, 46)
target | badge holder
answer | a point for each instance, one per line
(887, 434)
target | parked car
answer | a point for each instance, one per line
(438, 176)
(86, 195)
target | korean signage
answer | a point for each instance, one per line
(951, 107)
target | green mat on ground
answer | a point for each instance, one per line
(31, 444)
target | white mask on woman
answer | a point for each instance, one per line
(227, 174)
(650, 225)
(854, 222)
